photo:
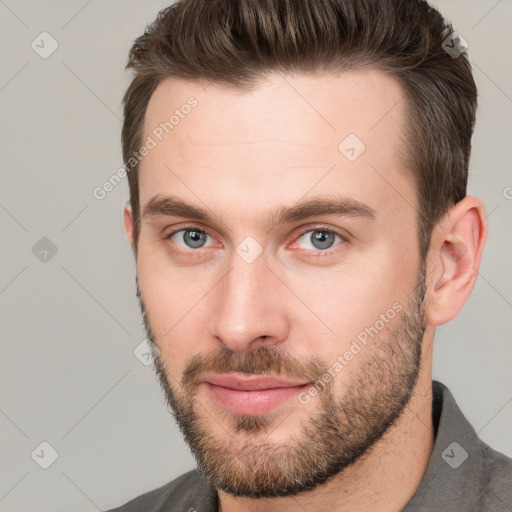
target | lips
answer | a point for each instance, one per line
(252, 394)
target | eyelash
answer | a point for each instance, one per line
(317, 253)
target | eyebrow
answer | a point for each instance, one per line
(171, 206)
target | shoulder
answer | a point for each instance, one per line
(497, 481)
(177, 494)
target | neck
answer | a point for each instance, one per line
(384, 479)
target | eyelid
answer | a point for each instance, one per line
(185, 228)
(320, 227)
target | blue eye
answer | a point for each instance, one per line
(192, 238)
(319, 239)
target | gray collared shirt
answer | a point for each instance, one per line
(464, 474)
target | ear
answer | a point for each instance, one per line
(453, 260)
(128, 224)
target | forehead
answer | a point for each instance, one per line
(287, 137)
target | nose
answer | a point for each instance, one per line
(250, 307)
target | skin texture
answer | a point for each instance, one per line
(240, 155)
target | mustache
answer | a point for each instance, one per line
(263, 360)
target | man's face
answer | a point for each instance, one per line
(326, 305)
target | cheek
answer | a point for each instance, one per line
(349, 306)
(173, 305)
(350, 296)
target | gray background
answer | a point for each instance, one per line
(69, 325)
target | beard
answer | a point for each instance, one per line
(241, 460)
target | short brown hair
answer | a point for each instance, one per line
(237, 42)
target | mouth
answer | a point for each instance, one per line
(251, 395)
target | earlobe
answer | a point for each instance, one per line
(456, 251)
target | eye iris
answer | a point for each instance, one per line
(194, 238)
(322, 239)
